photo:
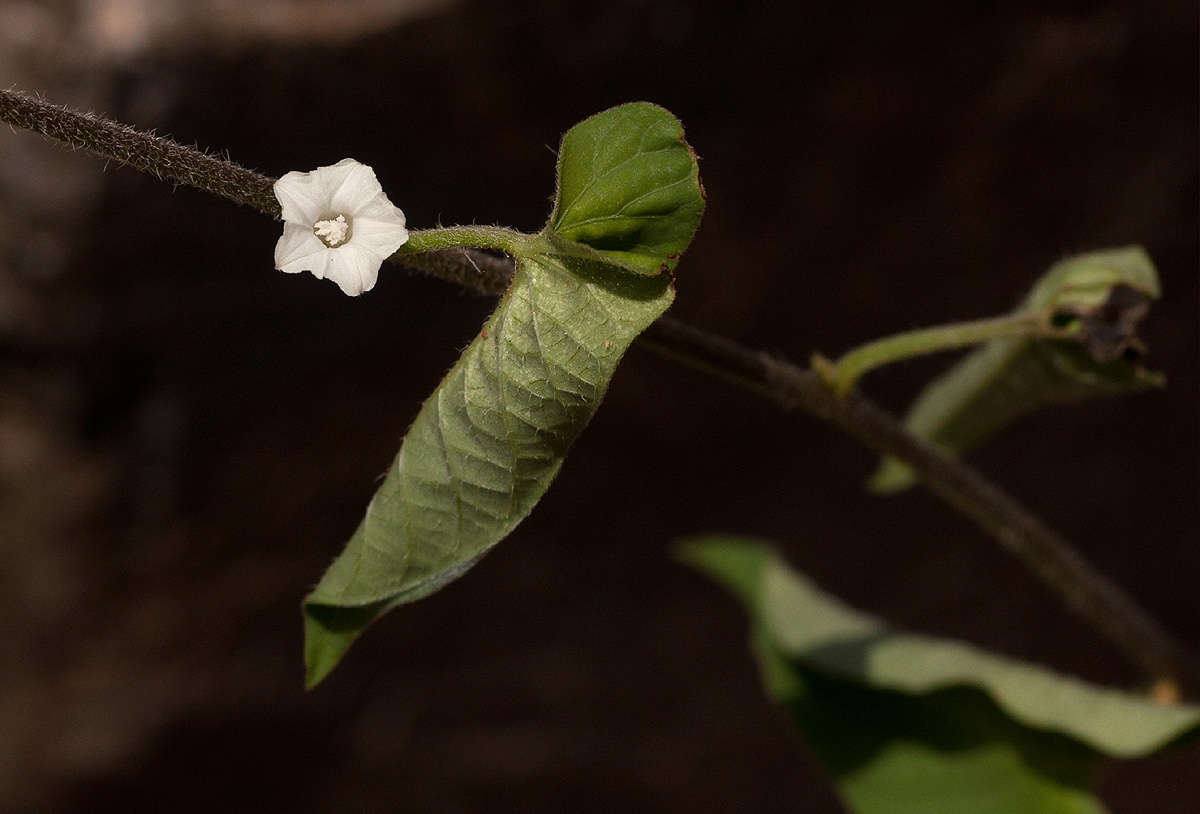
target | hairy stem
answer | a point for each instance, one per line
(441, 253)
(162, 158)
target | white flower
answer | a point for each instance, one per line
(337, 223)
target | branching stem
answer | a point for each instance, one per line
(443, 253)
(1048, 555)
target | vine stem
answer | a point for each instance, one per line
(441, 253)
(158, 156)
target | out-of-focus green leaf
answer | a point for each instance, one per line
(911, 723)
(629, 185)
(1104, 293)
(488, 442)
(945, 753)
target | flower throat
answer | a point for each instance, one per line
(333, 232)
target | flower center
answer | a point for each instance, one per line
(333, 232)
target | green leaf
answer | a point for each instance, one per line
(1103, 294)
(906, 722)
(488, 442)
(629, 186)
(946, 753)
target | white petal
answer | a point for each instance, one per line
(322, 263)
(353, 186)
(354, 269)
(317, 262)
(380, 208)
(380, 236)
(302, 197)
(295, 246)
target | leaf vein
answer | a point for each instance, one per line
(609, 171)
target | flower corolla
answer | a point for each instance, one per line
(338, 224)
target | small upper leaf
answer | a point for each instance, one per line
(909, 723)
(1104, 293)
(629, 186)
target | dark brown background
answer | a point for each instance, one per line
(189, 436)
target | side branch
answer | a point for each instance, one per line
(851, 366)
(1087, 592)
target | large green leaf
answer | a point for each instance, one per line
(1104, 293)
(488, 442)
(629, 185)
(906, 722)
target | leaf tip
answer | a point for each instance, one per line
(737, 563)
(322, 651)
(328, 633)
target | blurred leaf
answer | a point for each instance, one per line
(1104, 294)
(809, 624)
(629, 185)
(906, 722)
(945, 753)
(488, 442)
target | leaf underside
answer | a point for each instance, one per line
(906, 722)
(488, 442)
(485, 445)
(1005, 379)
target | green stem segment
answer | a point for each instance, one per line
(454, 237)
(846, 371)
